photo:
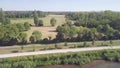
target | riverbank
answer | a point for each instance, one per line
(78, 58)
(102, 64)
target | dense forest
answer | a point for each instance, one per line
(88, 26)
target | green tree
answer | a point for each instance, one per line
(22, 38)
(7, 21)
(53, 22)
(27, 26)
(99, 28)
(36, 20)
(60, 36)
(21, 27)
(8, 34)
(32, 39)
(40, 23)
(36, 36)
(3, 19)
(69, 22)
(2, 16)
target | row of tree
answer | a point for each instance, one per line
(29, 14)
(23, 14)
(79, 33)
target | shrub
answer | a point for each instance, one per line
(65, 44)
(75, 46)
(27, 26)
(40, 23)
(5, 65)
(24, 64)
(56, 46)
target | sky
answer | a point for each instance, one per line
(61, 5)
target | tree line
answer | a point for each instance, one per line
(73, 33)
(23, 14)
(94, 19)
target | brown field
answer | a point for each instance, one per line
(46, 32)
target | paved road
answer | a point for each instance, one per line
(57, 51)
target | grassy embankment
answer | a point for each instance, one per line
(79, 58)
(41, 47)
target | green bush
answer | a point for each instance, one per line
(5, 65)
(23, 64)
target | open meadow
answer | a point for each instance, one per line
(46, 20)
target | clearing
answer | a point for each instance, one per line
(46, 32)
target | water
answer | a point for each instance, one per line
(102, 64)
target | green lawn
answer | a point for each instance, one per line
(60, 20)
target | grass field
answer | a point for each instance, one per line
(41, 47)
(60, 20)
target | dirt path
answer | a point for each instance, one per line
(57, 51)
